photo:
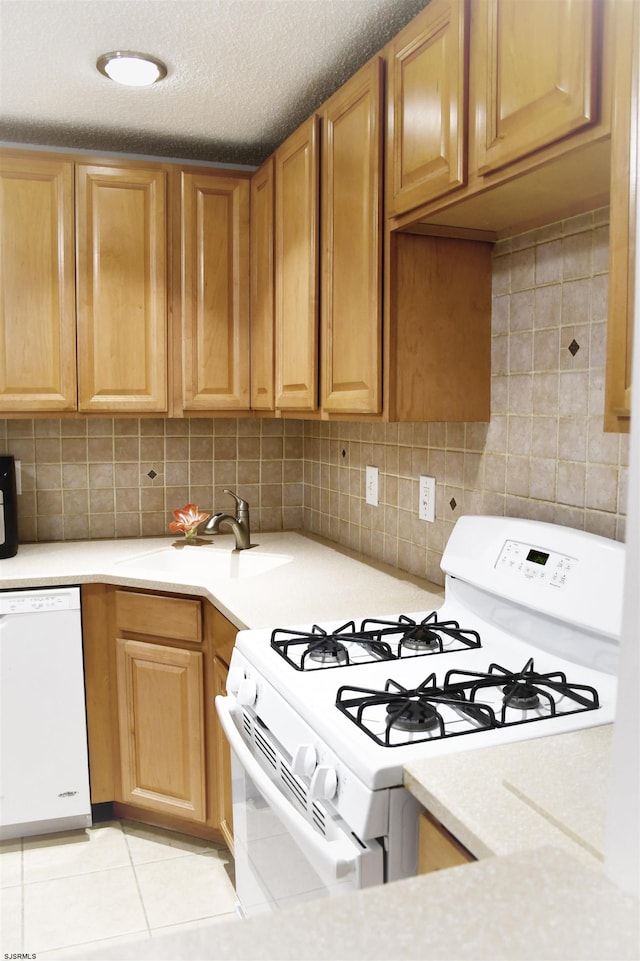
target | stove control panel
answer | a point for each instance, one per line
(536, 564)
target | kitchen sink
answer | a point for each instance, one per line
(200, 560)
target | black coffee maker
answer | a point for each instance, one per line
(8, 507)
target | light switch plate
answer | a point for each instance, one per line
(427, 499)
(371, 493)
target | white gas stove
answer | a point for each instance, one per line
(524, 646)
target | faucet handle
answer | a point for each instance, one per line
(241, 505)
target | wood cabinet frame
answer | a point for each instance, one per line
(512, 122)
(121, 251)
(263, 287)
(427, 106)
(211, 243)
(296, 269)
(37, 306)
(625, 177)
(352, 245)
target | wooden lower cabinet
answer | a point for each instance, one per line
(161, 727)
(437, 848)
(222, 759)
(153, 666)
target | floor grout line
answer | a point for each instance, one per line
(149, 931)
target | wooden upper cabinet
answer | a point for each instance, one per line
(121, 288)
(262, 288)
(535, 75)
(296, 269)
(214, 295)
(351, 263)
(439, 329)
(427, 113)
(625, 180)
(37, 285)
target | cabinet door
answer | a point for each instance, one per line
(352, 245)
(37, 285)
(437, 849)
(222, 757)
(121, 284)
(625, 173)
(534, 75)
(440, 329)
(262, 288)
(297, 270)
(427, 106)
(161, 728)
(214, 222)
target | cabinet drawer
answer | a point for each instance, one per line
(171, 617)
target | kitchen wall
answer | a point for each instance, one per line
(542, 455)
(122, 477)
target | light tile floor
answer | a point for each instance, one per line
(116, 881)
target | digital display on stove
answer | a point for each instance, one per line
(537, 557)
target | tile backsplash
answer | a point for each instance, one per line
(122, 477)
(542, 455)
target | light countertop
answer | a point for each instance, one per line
(530, 902)
(533, 905)
(514, 797)
(318, 582)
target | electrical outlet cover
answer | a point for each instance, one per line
(427, 499)
(371, 481)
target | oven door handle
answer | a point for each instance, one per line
(334, 859)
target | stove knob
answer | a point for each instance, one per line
(235, 678)
(324, 783)
(247, 692)
(304, 760)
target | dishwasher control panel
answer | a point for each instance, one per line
(39, 601)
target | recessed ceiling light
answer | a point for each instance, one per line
(131, 68)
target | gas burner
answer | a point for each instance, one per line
(421, 638)
(521, 696)
(407, 715)
(429, 636)
(327, 651)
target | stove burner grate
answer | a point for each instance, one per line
(428, 636)
(375, 640)
(326, 648)
(418, 711)
(428, 711)
(525, 690)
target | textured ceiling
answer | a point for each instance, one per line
(242, 73)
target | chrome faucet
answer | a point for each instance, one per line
(238, 524)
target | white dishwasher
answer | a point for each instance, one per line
(44, 767)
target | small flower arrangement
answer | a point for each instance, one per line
(187, 520)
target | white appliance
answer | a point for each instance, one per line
(44, 768)
(322, 719)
